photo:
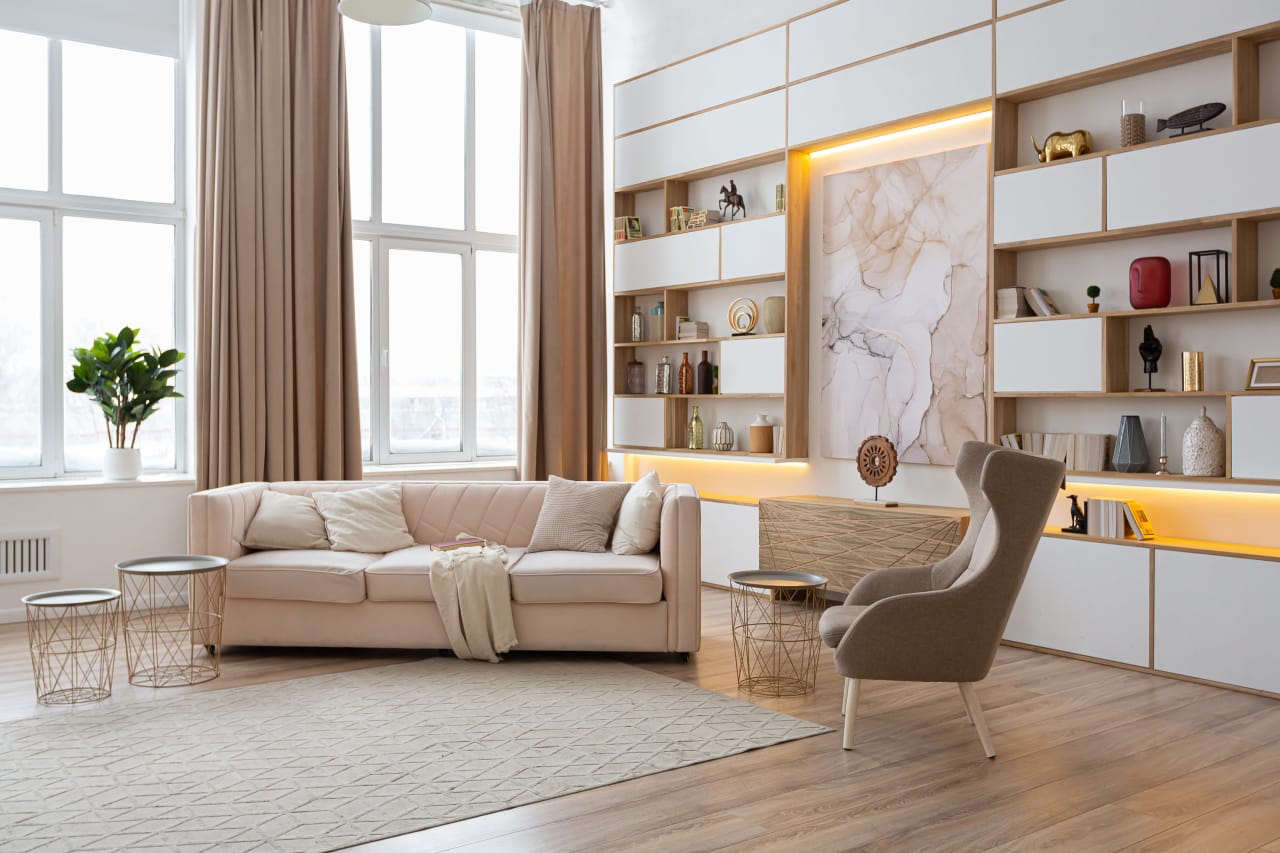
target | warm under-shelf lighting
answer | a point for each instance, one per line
(985, 115)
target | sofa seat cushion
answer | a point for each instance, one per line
(405, 575)
(576, 577)
(335, 577)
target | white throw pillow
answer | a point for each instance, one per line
(640, 517)
(286, 522)
(367, 520)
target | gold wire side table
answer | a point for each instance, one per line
(72, 633)
(173, 619)
(775, 630)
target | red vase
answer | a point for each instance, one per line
(1149, 283)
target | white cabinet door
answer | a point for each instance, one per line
(737, 70)
(638, 422)
(1053, 201)
(678, 259)
(1253, 437)
(758, 247)
(1048, 356)
(946, 73)
(734, 132)
(730, 540)
(753, 366)
(1088, 598)
(1216, 618)
(1210, 176)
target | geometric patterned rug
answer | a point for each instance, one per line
(329, 761)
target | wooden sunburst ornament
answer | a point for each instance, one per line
(877, 465)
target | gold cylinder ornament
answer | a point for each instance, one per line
(1193, 371)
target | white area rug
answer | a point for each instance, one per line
(324, 762)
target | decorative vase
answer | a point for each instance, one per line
(704, 375)
(684, 380)
(1149, 285)
(637, 325)
(657, 331)
(635, 377)
(775, 315)
(1130, 454)
(662, 376)
(695, 431)
(760, 435)
(722, 437)
(1203, 448)
(1133, 122)
(122, 463)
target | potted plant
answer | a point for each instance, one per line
(1093, 292)
(127, 384)
(1275, 283)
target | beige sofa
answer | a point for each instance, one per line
(561, 600)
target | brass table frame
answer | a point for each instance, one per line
(173, 619)
(775, 630)
(72, 634)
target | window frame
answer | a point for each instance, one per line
(384, 237)
(50, 207)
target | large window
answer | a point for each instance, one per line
(90, 241)
(434, 113)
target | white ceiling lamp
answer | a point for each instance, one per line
(386, 12)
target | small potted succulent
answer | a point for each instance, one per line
(1093, 292)
(1275, 283)
(127, 384)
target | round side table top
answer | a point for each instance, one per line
(186, 564)
(776, 579)
(71, 597)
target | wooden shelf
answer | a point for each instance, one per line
(764, 159)
(701, 396)
(1260, 304)
(1106, 395)
(709, 227)
(735, 455)
(1170, 543)
(1171, 480)
(1157, 230)
(631, 344)
(702, 285)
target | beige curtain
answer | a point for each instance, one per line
(562, 384)
(276, 384)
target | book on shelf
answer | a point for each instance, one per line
(679, 216)
(700, 218)
(1078, 451)
(1011, 302)
(1138, 520)
(1115, 519)
(691, 329)
(627, 228)
(1041, 302)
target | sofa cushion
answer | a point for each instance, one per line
(329, 576)
(572, 577)
(365, 520)
(577, 516)
(405, 575)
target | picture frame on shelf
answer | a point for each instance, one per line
(1264, 375)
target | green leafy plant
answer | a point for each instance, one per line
(126, 383)
(1093, 292)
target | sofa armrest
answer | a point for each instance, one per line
(680, 557)
(217, 519)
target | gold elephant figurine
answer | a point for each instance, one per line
(1059, 145)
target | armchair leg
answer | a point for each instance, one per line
(850, 711)
(844, 700)
(974, 709)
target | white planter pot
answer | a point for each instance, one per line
(122, 463)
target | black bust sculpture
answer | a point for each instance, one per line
(1150, 350)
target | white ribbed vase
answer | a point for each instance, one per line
(1204, 451)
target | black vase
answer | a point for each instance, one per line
(704, 375)
(1130, 456)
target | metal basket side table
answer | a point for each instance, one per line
(72, 633)
(775, 630)
(173, 619)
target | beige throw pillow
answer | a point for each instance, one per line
(367, 520)
(285, 522)
(640, 517)
(577, 516)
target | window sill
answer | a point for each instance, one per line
(392, 472)
(71, 483)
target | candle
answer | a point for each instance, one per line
(1162, 452)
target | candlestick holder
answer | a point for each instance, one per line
(1163, 470)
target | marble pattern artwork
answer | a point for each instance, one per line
(904, 276)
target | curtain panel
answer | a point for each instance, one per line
(276, 380)
(562, 313)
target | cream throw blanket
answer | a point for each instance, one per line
(473, 594)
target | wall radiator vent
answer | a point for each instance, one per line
(28, 555)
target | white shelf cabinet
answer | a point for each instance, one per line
(1050, 356)
(730, 542)
(678, 259)
(754, 248)
(753, 366)
(1053, 201)
(1253, 437)
(638, 422)
(1088, 598)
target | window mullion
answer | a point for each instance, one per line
(51, 246)
(55, 116)
(469, 141)
(470, 393)
(375, 134)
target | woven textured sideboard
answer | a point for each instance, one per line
(844, 540)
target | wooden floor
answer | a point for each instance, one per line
(1090, 758)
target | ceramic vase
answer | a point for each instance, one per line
(1203, 448)
(775, 315)
(722, 437)
(760, 435)
(1130, 453)
(122, 463)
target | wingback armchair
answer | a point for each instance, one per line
(944, 622)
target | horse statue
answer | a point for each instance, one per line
(731, 201)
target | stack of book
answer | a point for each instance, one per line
(680, 217)
(1078, 451)
(1012, 302)
(692, 330)
(626, 228)
(1115, 519)
(699, 218)
(780, 197)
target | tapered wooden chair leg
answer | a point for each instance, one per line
(850, 711)
(844, 700)
(974, 707)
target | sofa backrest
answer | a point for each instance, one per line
(504, 512)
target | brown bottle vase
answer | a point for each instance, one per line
(684, 379)
(704, 375)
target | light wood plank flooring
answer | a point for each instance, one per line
(1090, 758)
